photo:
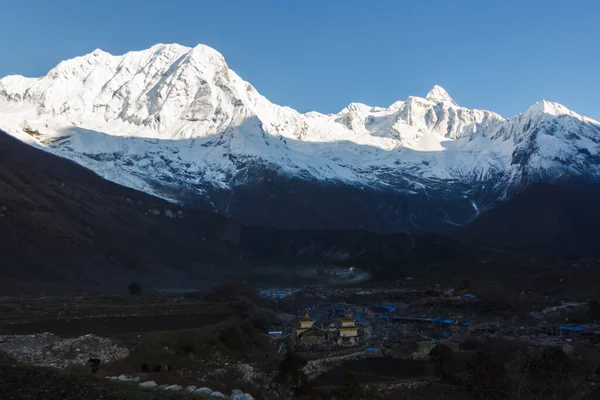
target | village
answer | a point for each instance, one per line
(386, 336)
(361, 324)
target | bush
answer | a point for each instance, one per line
(242, 335)
(443, 355)
(264, 319)
(233, 338)
(135, 289)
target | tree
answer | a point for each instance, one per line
(549, 373)
(443, 355)
(487, 378)
(351, 386)
(135, 289)
(291, 367)
(466, 285)
(594, 310)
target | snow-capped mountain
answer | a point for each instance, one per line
(176, 122)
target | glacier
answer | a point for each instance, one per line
(178, 123)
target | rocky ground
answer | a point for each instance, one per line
(48, 350)
(20, 382)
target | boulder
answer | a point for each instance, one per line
(568, 349)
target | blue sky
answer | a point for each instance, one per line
(321, 55)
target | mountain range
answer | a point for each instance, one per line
(178, 123)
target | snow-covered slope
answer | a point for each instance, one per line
(178, 123)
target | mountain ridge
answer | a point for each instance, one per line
(177, 123)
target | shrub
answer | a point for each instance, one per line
(135, 289)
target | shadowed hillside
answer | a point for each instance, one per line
(544, 218)
(60, 222)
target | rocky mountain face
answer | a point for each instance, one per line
(177, 123)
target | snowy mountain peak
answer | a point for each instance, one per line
(207, 52)
(99, 52)
(439, 95)
(551, 109)
(177, 117)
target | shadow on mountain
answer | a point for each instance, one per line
(283, 183)
(383, 256)
(62, 224)
(562, 219)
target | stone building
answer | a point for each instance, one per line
(305, 324)
(348, 331)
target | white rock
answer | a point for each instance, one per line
(174, 388)
(148, 384)
(241, 396)
(218, 395)
(204, 390)
(191, 388)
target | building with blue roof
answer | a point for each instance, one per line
(571, 328)
(386, 307)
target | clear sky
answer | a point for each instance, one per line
(502, 55)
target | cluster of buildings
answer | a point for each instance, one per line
(277, 293)
(342, 332)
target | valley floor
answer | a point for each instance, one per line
(226, 339)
